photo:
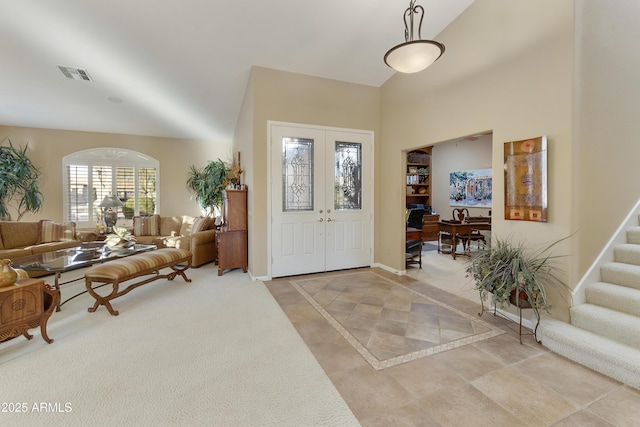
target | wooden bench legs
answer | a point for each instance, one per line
(116, 292)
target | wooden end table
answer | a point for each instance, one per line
(26, 305)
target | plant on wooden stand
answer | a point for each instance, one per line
(513, 274)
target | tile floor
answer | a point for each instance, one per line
(387, 322)
(494, 381)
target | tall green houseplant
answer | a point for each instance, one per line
(207, 185)
(19, 186)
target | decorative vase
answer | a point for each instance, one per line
(110, 219)
(8, 276)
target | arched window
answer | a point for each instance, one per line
(90, 175)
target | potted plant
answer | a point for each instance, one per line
(207, 185)
(18, 182)
(513, 274)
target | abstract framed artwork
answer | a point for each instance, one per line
(471, 188)
(525, 179)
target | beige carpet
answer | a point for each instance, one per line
(215, 352)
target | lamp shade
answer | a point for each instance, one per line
(413, 56)
(110, 201)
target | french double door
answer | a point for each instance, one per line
(321, 199)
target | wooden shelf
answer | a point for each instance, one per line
(417, 162)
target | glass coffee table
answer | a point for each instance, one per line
(62, 261)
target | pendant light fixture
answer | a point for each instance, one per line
(413, 55)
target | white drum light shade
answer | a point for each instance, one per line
(414, 56)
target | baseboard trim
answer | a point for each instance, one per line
(389, 269)
(526, 323)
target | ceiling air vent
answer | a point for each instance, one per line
(75, 73)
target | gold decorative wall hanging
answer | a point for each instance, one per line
(525, 179)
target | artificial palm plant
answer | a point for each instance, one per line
(512, 274)
(207, 185)
(18, 182)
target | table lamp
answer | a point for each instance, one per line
(110, 215)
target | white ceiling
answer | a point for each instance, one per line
(180, 67)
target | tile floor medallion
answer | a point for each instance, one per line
(387, 322)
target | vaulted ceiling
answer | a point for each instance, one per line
(179, 68)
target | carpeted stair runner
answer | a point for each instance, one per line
(604, 333)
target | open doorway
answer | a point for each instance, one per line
(430, 189)
(468, 153)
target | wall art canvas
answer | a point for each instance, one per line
(525, 178)
(471, 188)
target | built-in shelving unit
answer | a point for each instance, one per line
(419, 177)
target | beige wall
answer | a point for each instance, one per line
(524, 93)
(453, 156)
(607, 126)
(243, 143)
(47, 147)
(297, 98)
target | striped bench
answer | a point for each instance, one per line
(128, 268)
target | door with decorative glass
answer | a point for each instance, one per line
(321, 200)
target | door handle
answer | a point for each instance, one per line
(329, 220)
(321, 219)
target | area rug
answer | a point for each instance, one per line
(218, 351)
(429, 246)
(387, 322)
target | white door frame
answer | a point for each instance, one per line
(270, 124)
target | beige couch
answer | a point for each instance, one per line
(19, 239)
(175, 232)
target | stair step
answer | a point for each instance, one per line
(614, 297)
(612, 324)
(633, 235)
(621, 274)
(627, 253)
(601, 354)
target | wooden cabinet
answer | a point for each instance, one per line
(232, 250)
(235, 209)
(430, 227)
(419, 177)
(232, 239)
(26, 305)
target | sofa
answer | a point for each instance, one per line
(19, 239)
(195, 234)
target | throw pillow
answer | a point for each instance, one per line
(187, 223)
(146, 225)
(200, 224)
(49, 231)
